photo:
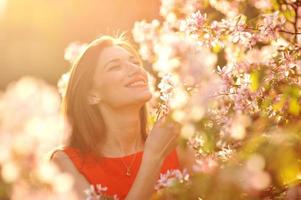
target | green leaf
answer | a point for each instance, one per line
(279, 105)
(255, 80)
(288, 167)
(275, 4)
(216, 48)
(294, 107)
(294, 92)
(289, 14)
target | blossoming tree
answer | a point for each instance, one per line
(234, 67)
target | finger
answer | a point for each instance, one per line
(162, 119)
(175, 125)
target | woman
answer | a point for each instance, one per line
(110, 144)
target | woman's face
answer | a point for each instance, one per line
(119, 79)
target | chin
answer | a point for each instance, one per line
(141, 100)
(148, 96)
(145, 98)
(138, 98)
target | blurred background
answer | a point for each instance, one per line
(35, 33)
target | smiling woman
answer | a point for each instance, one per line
(110, 144)
(117, 77)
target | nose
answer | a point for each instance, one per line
(134, 69)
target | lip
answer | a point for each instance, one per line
(135, 79)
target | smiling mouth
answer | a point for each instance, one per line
(140, 83)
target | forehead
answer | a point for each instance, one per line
(113, 52)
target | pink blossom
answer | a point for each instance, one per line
(73, 50)
(167, 179)
(271, 24)
(206, 165)
(195, 22)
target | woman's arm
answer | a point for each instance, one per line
(160, 142)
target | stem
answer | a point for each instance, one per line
(295, 6)
(158, 114)
(280, 30)
(296, 24)
(293, 33)
(223, 94)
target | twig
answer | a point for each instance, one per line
(296, 23)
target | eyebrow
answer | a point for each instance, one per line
(118, 59)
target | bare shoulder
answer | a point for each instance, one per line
(186, 157)
(59, 155)
(62, 160)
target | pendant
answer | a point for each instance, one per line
(128, 173)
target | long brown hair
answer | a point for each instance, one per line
(88, 128)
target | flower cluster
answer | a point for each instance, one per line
(31, 127)
(165, 87)
(72, 52)
(171, 177)
(96, 192)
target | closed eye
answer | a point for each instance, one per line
(135, 61)
(114, 67)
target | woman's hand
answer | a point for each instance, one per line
(162, 138)
(159, 143)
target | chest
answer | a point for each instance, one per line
(109, 174)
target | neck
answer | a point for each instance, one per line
(123, 130)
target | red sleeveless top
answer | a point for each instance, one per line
(110, 172)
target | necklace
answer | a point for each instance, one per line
(128, 168)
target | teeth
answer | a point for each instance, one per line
(137, 83)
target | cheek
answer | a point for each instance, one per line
(112, 87)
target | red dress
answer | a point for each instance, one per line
(110, 172)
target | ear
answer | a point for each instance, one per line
(93, 98)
